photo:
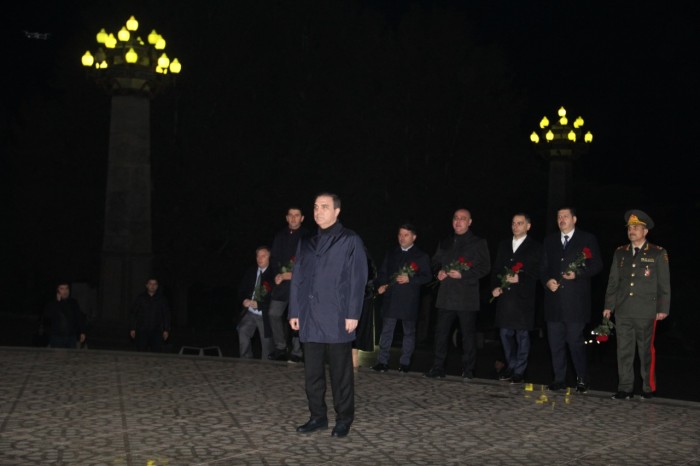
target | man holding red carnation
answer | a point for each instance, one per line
(639, 293)
(571, 257)
(461, 260)
(404, 270)
(255, 291)
(514, 285)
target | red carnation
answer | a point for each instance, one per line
(414, 266)
(516, 268)
(267, 286)
(587, 253)
(470, 263)
(293, 259)
(460, 259)
(601, 338)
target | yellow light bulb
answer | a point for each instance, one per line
(588, 137)
(153, 37)
(131, 56)
(544, 122)
(131, 24)
(534, 137)
(563, 121)
(87, 59)
(175, 66)
(578, 123)
(571, 136)
(111, 41)
(123, 34)
(561, 112)
(549, 136)
(101, 36)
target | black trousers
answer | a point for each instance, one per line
(561, 335)
(149, 340)
(342, 379)
(467, 324)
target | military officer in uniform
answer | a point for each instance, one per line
(639, 293)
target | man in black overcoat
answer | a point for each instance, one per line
(570, 258)
(404, 270)
(513, 282)
(254, 292)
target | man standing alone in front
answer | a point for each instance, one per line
(325, 304)
(639, 293)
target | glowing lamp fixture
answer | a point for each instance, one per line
(129, 56)
(544, 122)
(534, 137)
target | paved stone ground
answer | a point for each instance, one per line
(99, 407)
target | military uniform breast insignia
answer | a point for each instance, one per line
(647, 272)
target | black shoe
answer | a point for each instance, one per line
(647, 395)
(313, 424)
(435, 373)
(294, 359)
(403, 369)
(340, 430)
(581, 385)
(278, 355)
(505, 375)
(379, 367)
(517, 379)
(467, 376)
(622, 396)
(556, 386)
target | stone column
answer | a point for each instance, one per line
(126, 249)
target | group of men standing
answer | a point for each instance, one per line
(321, 277)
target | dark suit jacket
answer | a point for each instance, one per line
(247, 287)
(515, 308)
(462, 294)
(402, 301)
(284, 248)
(572, 301)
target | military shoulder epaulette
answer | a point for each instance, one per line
(624, 246)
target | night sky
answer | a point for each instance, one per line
(407, 110)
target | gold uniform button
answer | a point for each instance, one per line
(631, 294)
(634, 265)
(632, 275)
(632, 284)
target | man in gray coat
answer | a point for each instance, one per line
(325, 304)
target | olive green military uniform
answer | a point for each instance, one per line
(639, 287)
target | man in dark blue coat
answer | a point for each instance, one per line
(571, 257)
(404, 270)
(327, 293)
(514, 284)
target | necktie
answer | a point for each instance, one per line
(636, 250)
(257, 284)
(566, 241)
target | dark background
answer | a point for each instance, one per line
(407, 110)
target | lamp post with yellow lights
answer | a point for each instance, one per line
(132, 71)
(560, 143)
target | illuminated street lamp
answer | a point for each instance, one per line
(126, 64)
(132, 71)
(560, 143)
